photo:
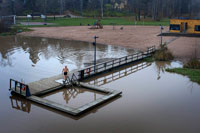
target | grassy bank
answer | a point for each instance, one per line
(14, 30)
(105, 21)
(193, 74)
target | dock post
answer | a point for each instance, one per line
(10, 83)
(82, 74)
(27, 92)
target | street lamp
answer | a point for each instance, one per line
(161, 28)
(95, 43)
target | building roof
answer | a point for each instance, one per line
(187, 18)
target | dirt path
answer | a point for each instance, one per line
(137, 37)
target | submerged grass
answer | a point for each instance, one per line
(193, 74)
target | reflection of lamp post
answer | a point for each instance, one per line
(94, 43)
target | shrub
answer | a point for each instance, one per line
(163, 55)
(193, 64)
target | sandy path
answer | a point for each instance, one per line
(137, 37)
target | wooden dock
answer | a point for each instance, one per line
(34, 90)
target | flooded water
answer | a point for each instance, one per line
(74, 97)
(152, 99)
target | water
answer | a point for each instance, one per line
(74, 97)
(152, 100)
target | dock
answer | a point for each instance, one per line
(33, 91)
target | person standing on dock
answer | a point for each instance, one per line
(65, 72)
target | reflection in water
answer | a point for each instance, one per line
(162, 65)
(64, 51)
(117, 74)
(20, 103)
(147, 104)
(71, 93)
(74, 96)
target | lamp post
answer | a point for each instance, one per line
(161, 39)
(95, 48)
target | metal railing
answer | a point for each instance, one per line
(92, 70)
(74, 80)
(20, 88)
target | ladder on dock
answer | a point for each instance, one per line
(73, 81)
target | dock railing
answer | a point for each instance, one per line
(20, 88)
(118, 74)
(92, 70)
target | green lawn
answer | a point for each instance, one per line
(105, 21)
(193, 74)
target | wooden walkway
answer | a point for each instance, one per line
(33, 90)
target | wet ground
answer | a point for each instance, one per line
(152, 100)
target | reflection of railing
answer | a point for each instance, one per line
(71, 93)
(92, 70)
(20, 104)
(20, 88)
(119, 74)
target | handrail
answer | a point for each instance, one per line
(22, 87)
(74, 79)
(91, 70)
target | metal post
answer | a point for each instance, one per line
(95, 43)
(10, 83)
(161, 39)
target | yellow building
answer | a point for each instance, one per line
(191, 26)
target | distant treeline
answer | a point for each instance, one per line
(156, 9)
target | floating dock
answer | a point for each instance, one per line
(33, 91)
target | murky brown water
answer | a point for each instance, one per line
(74, 97)
(152, 100)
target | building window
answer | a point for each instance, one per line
(175, 27)
(197, 28)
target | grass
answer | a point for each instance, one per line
(105, 21)
(193, 74)
(14, 30)
(149, 59)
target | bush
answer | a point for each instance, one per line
(193, 64)
(163, 55)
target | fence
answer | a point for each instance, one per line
(101, 67)
(6, 22)
(118, 75)
(20, 88)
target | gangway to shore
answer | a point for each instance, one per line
(33, 91)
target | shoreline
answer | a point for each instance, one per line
(134, 37)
